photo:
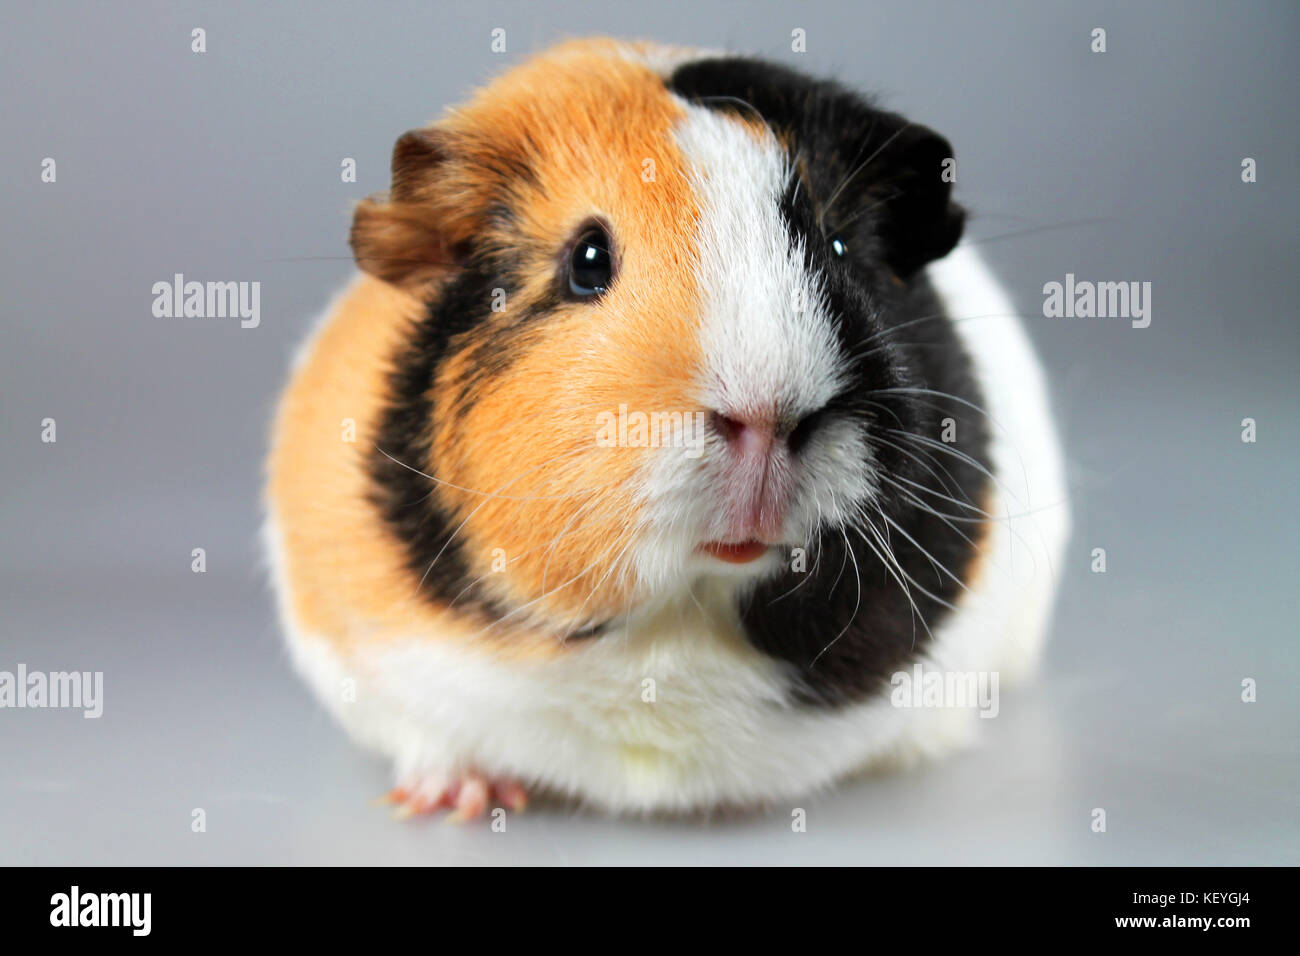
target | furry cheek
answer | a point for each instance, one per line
(545, 485)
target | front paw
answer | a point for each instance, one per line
(468, 794)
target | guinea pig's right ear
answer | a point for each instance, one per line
(401, 238)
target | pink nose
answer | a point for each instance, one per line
(755, 478)
(758, 434)
(750, 436)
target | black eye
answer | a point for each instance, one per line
(591, 266)
(837, 245)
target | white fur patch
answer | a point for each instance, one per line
(764, 331)
(769, 345)
(1033, 516)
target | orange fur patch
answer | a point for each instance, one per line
(520, 467)
(532, 434)
(977, 567)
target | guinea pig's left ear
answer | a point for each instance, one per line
(912, 183)
(403, 238)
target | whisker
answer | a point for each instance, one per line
(848, 549)
(1051, 227)
(866, 162)
(500, 497)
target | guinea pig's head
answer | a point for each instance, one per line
(657, 336)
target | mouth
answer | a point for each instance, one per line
(741, 552)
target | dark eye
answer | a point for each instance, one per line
(837, 245)
(591, 266)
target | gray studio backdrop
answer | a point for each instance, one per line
(225, 165)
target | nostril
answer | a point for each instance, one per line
(727, 426)
(803, 431)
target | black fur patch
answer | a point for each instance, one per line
(847, 622)
(459, 322)
(856, 161)
(852, 618)
(401, 460)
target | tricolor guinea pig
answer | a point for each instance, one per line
(664, 440)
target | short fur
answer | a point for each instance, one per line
(501, 590)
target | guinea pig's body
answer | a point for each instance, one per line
(660, 431)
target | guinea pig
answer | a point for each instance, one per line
(664, 440)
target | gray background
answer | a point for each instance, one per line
(1121, 166)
